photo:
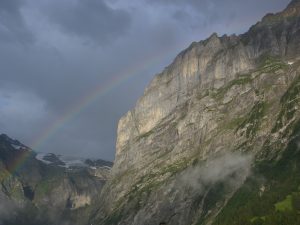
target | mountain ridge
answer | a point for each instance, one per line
(49, 189)
(293, 4)
(235, 95)
(205, 64)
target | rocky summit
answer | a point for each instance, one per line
(215, 137)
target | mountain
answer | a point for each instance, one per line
(42, 189)
(214, 140)
(215, 137)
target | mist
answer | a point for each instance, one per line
(7, 209)
(233, 168)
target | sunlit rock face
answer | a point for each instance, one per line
(220, 97)
(212, 63)
(205, 64)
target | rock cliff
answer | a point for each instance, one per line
(203, 124)
(207, 64)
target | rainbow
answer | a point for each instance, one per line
(84, 102)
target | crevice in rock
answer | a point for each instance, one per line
(28, 192)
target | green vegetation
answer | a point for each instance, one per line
(289, 102)
(151, 181)
(252, 121)
(47, 185)
(278, 202)
(270, 196)
(286, 122)
(4, 174)
(270, 64)
(258, 220)
(141, 190)
(296, 201)
(202, 94)
(114, 218)
(16, 192)
(267, 64)
(215, 195)
(241, 80)
(11, 185)
(234, 123)
(285, 205)
(44, 187)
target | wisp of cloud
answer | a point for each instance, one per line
(233, 168)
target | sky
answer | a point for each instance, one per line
(69, 69)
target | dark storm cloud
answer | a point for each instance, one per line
(201, 14)
(12, 25)
(92, 19)
(10, 5)
(199, 4)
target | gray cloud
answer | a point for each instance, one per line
(12, 25)
(233, 16)
(202, 5)
(92, 19)
(10, 6)
(21, 111)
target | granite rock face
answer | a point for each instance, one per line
(212, 63)
(223, 101)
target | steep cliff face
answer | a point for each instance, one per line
(230, 101)
(207, 64)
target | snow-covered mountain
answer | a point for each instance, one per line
(70, 162)
(13, 143)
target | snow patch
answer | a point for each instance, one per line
(17, 147)
(40, 157)
(68, 162)
(72, 162)
(105, 167)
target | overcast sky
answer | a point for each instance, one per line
(71, 68)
